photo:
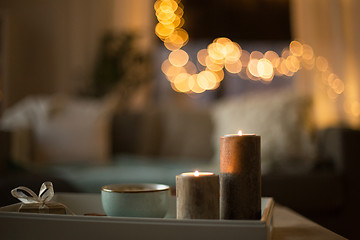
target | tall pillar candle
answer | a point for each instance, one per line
(240, 177)
(197, 195)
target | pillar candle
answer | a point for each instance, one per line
(240, 177)
(197, 195)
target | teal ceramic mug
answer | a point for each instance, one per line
(135, 200)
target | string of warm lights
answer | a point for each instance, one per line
(224, 54)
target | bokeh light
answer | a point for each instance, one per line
(308, 52)
(223, 54)
(233, 67)
(194, 84)
(190, 68)
(256, 55)
(355, 108)
(212, 65)
(338, 86)
(253, 67)
(296, 48)
(206, 80)
(182, 83)
(321, 63)
(219, 75)
(201, 56)
(178, 58)
(265, 69)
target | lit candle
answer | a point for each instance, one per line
(197, 195)
(240, 176)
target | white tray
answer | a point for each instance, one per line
(14, 225)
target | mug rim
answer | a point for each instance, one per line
(119, 188)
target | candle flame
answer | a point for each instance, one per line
(240, 133)
(197, 174)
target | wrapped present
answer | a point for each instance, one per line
(49, 207)
(39, 203)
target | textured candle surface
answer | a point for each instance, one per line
(240, 177)
(197, 197)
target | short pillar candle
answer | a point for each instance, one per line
(197, 195)
(240, 177)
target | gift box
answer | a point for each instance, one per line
(49, 207)
(32, 203)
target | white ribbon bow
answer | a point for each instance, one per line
(26, 195)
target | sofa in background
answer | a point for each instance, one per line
(310, 170)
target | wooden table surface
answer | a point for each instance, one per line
(291, 225)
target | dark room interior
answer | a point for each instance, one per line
(117, 91)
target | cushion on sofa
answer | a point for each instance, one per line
(280, 117)
(63, 129)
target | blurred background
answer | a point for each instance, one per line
(97, 92)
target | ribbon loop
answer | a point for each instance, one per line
(26, 195)
(46, 192)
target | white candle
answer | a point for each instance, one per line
(197, 195)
